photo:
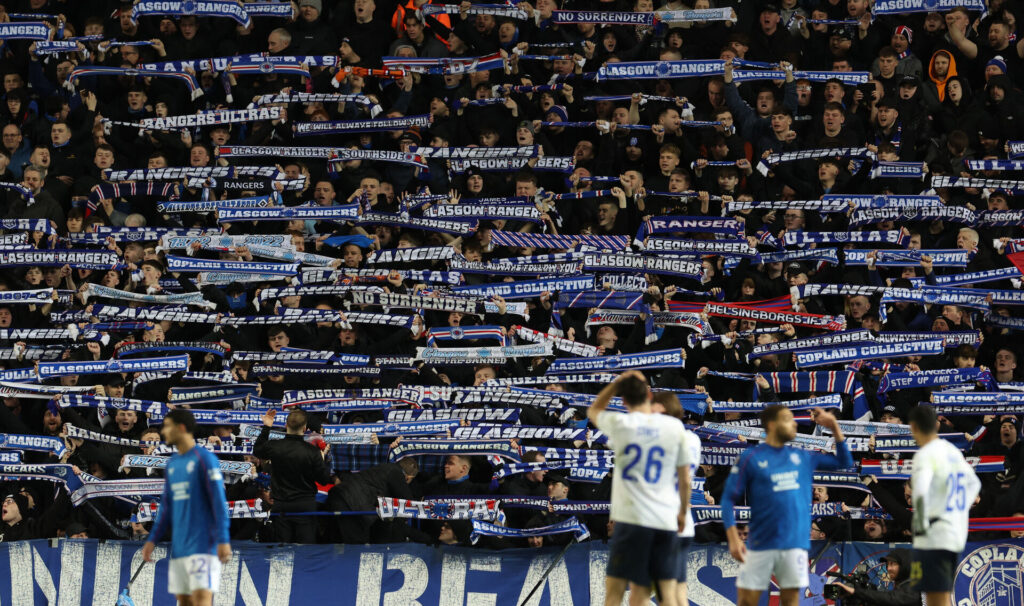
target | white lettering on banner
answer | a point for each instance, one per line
(556, 584)
(107, 574)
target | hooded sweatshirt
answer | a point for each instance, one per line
(940, 82)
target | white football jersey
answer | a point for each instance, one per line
(648, 449)
(949, 486)
(691, 444)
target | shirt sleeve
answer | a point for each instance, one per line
(841, 460)
(213, 486)
(608, 422)
(920, 485)
(685, 459)
(163, 514)
(735, 486)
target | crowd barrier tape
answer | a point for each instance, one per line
(73, 572)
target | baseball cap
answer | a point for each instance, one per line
(555, 478)
(796, 268)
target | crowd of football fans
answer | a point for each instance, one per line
(944, 89)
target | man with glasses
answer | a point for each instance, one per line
(17, 147)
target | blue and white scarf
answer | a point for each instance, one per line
(204, 8)
(800, 238)
(155, 410)
(630, 263)
(883, 201)
(895, 7)
(820, 342)
(929, 295)
(459, 333)
(572, 525)
(898, 170)
(448, 226)
(764, 166)
(24, 30)
(184, 264)
(81, 259)
(47, 370)
(829, 401)
(480, 355)
(305, 129)
(954, 214)
(462, 509)
(188, 79)
(527, 289)
(843, 355)
(977, 397)
(667, 358)
(94, 291)
(413, 448)
(910, 258)
(445, 65)
(344, 212)
(893, 381)
(730, 248)
(32, 442)
(561, 344)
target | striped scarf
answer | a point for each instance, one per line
(828, 381)
(187, 78)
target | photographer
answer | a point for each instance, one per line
(897, 565)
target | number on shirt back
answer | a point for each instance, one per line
(652, 466)
(956, 492)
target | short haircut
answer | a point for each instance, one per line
(924, 417)
(832, 106)
(409, 466)
(770, 414)
(297, 419)
(464, 459)
(888, 51)
(182, 416)
(532, 456)
(633, 391)
(526, 177)
(671, 148)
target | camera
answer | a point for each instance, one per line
(857, 578)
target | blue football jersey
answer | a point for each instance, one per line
(777, 482)
(193, 504)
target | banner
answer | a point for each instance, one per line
(87, 571)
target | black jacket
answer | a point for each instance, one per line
(298, 466)
(902, 594)
(360, 490)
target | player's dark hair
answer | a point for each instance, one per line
(770, 413)
(924, 417)
(296, 419)
(633, 391)
(183, 416)
(670, 401)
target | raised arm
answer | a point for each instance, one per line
(605, 396)
(842, 459)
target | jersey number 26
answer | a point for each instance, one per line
(652, 468)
